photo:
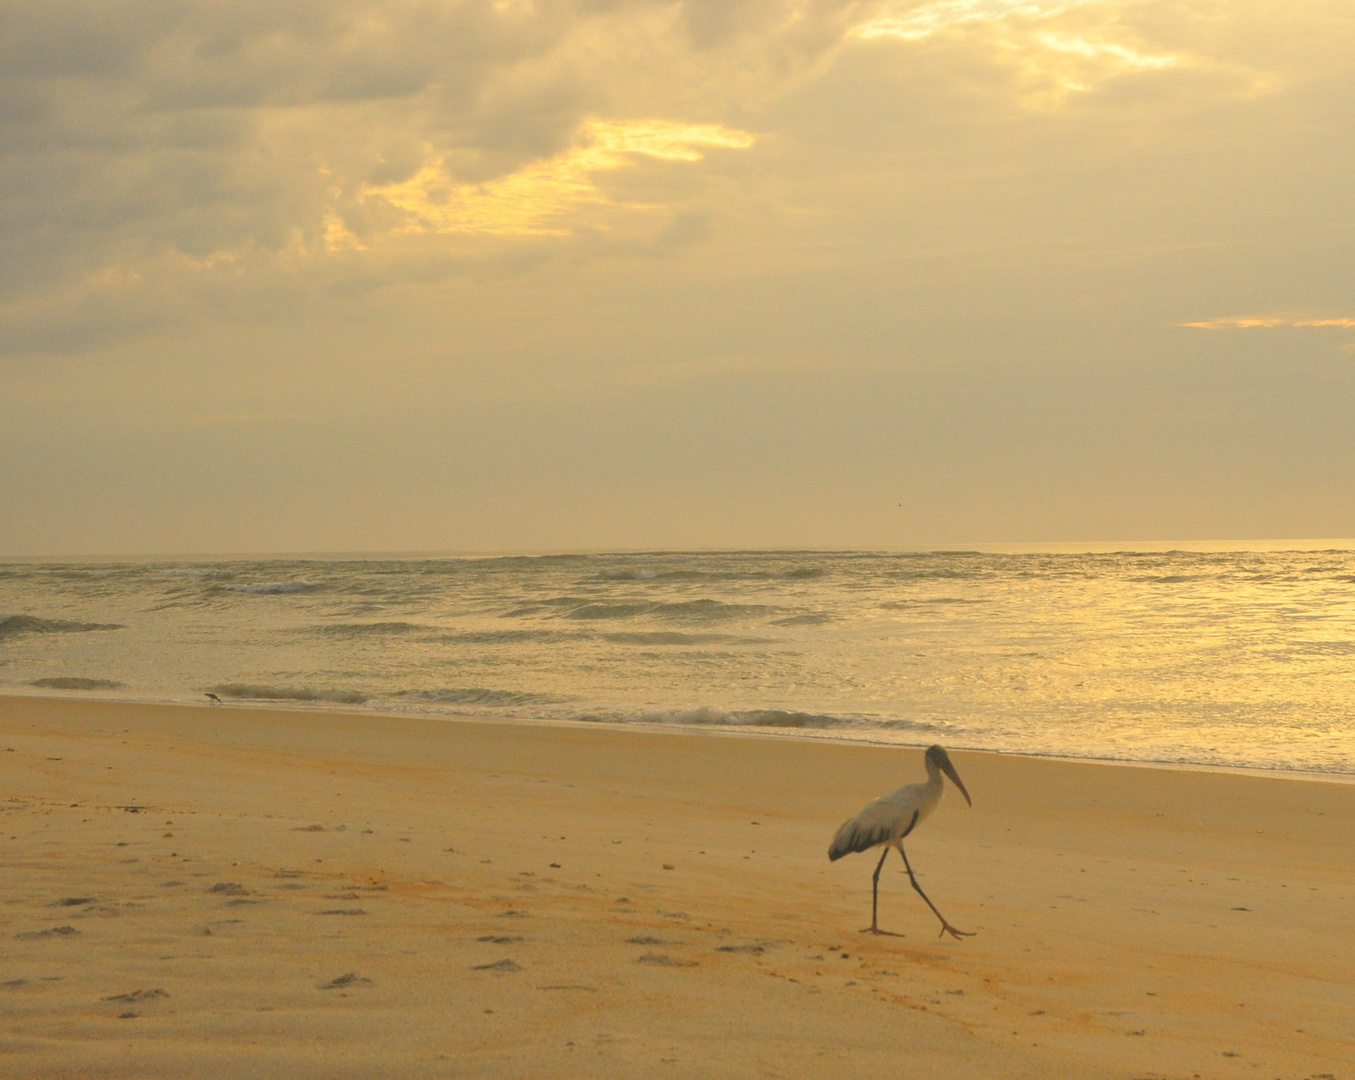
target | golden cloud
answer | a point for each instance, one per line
(536, 200)
(1109, 53)
(1254, 322)
(913, 23)
(1057, 47)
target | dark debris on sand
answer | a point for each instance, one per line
(351, 978)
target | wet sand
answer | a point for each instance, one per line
(228, 891)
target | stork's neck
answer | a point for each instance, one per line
(931, 790)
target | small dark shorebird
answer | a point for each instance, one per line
(215, 700)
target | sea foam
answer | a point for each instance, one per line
(255, 692)
(75, 683)
(11, 625)
(272, 587)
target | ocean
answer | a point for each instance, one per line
(1240, 659)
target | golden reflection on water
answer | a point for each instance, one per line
(1219, 657)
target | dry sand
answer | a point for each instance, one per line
(232, 892)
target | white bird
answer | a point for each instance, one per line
(892, 817)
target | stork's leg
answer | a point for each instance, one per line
(874, 927)
(946, 928)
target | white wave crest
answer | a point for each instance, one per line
(255, 692)
(476, 695)
(75, 683)
(272, 587)
(30, 624)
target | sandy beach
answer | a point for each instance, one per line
(234, 891)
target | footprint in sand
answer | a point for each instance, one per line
(138, 995)
(754, 948)
(664, 960)
(498, 965)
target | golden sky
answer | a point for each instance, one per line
(512, 275)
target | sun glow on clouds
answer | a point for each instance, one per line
(1116, 55)
(1265, 322)
(915, 22)
(1074, 58)
(537, 199)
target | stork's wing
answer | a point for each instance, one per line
(876, 824)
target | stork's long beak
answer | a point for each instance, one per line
(949, 770)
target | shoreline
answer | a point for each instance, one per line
(865, 738)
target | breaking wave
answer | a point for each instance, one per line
(769, 718)
(70, 683)
(272, 587)
(253, 692)
(11, 625)
(361, 630)
(479, 696)
(643, 573)
(570, 607)
(666, 637)
(506, 637)
(928, 601)
(813, 618)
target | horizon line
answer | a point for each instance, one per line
(996, 547)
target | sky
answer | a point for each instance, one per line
(433, 275)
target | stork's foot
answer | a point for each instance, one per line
(882, 933)
(946, 928)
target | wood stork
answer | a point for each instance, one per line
(892, 817)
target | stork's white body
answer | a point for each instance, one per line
(889, 818)
(886, 821)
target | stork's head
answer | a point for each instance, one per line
(937, 758)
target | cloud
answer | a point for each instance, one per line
(203, 160)
(1108, 53)
(538, 199)
(913, 22)
(203, 140)
(1057, 49)
(1266, 322)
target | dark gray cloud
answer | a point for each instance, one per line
(167, 139)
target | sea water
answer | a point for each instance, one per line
(1228, 658)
